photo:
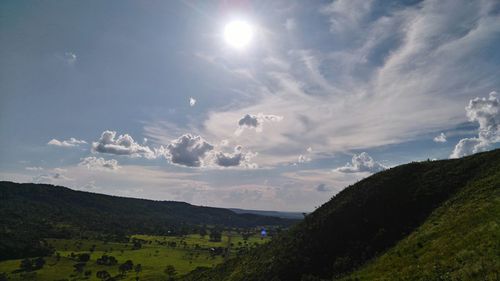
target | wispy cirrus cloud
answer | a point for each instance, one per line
(405, 72)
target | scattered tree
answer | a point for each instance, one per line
(79, 267)
(38, 263)
(26, 265)
(203, 232)
(103, 275)
(215, 235)
(170, 272)
(106, 260)
(85, 257)
(137, 268)
(126, 266)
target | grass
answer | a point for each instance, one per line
(156, 253)
(459, 241)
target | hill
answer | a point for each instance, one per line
(434, 220)
(278, 214)
(31, 212)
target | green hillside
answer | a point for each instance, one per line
(435, 220)
(31, 212)
(459, 241)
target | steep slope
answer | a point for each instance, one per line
(459, 241)
(29, 212)
(365, 220)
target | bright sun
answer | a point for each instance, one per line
(238, 33)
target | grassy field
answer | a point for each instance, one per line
(155, 254)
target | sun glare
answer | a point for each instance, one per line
(238, 34)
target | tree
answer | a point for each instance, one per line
(79, 267)
(106, 260)
(215, 235)
(85, 257)
(3, 276)
(170, 272)
(26, 265)
(203, 231)
(138, 268)
(38, 263)
(103, 275)
(127, 266)
(136, 245)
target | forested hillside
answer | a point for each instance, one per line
(445, 213)
(30, 212)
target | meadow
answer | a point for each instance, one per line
(159, 257)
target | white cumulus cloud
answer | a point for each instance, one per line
(486, 112)
(194, 151)
(440, 138)
(95, 163)
(56, 174)
(187, 150)
(237, 158)
(256, 121)
(71, 142)
(121, 145)
(361, 163)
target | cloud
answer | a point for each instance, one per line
(89, 186)
(361, 163)
(256, 121)
(290, 24)
(237, 158)
(440, 138)
(322, 188)
(398, 73)
(347, 15)
(34, 168)
(304, 158)
(122, 145)
(70, 58)
(194, 151)
(56, 175)
(94, 163)
(188, 150)
(72, 142)
(486, 112)
(192, 101)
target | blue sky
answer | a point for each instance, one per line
(147, 99)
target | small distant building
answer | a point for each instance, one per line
(263, 233)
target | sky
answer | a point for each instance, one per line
(152, 99)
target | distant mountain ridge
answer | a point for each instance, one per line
(30, 212)
(278, 214)
(432, 220)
